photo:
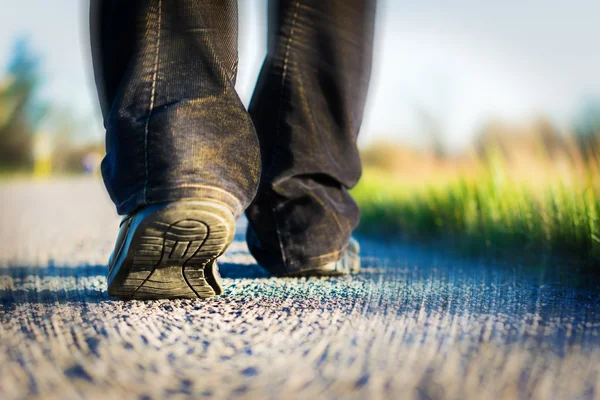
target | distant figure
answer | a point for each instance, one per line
(91, 163)
(185, 159)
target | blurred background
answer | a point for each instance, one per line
(482, 121)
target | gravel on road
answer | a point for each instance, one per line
(414, 324)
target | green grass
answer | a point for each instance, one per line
(486, 213)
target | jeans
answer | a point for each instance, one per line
(176, 129)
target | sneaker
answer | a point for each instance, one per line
(348, 263)
(169, 251)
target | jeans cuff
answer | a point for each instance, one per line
(180, 193)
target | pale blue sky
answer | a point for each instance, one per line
(464, 61)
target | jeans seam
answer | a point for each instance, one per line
(279, 238)
(282, 84)
(127, 199)
(152, 100)
(333, 214)
(278, 129)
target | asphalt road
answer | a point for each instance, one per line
(413, 324)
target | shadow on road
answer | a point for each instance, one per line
(227, 269)
(52, 284)
(242, 271)
(84, 283)
(22, 272)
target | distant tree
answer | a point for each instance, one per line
(537, 138)
(70, 147)
(551, 140)
(5, 104)
(587, 129)
(492, 138)
(21, 108)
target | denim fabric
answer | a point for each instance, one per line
(176, 129)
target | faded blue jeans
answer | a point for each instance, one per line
(176, 129)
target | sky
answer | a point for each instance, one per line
(463, 62)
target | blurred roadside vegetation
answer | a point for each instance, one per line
(530, 189)
(36, 137)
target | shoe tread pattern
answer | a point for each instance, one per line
(174, 254)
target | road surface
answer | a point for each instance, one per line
(414, 324)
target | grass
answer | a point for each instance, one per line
(489, 211)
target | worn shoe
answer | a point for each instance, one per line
(347, 263)
(169, 251)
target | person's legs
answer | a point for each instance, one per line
(307, 110)
(182, 155)
(175, 127)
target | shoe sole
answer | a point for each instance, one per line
(172, 253)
